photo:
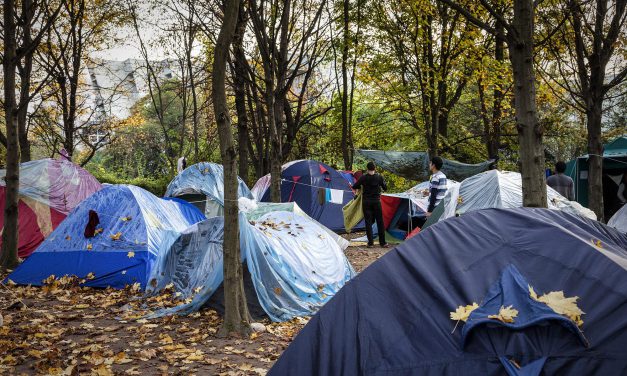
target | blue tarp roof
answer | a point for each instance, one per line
(140, 221)
(205, 178)
(393, 318)
(295, 265)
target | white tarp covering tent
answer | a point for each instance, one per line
(619, 220)
(503, 189)
(294, 265)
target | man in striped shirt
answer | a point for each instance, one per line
(437, 184)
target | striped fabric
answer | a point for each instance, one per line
(438, 181)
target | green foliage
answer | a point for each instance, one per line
(156, 185)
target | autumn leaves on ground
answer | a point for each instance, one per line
(64, 329)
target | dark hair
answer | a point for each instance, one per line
(560, 167)
(370, 166)
(437, 162)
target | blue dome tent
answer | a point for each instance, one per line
(203, 185)
(132, 224)
(310, 184)
(395, 317)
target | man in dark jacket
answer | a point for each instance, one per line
(372, 183)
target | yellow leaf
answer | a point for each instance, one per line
(506, 314)
(89, 247)
(116, 236)
(102, 370)
(125, 219)
(81, 306)
(98, 231)
(68, 237)
(131, 254)
(91, 276)
(462, 313)
(560, 304)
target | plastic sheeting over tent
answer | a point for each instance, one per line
(133, 223)
(490, 257)
(309, 184)
(414, 165)
(503, 189)
(619, 220)
(295, 266)
(49, 189)
(203, 185)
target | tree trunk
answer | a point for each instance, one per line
(8, 256)
(497, 112)
(236, 316)
(25, 81)
(345, 130)
(529, 128)
(595, 161)
(239, 87)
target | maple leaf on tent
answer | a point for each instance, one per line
(90, 247)
(560, 304)
(506, 314)
(463, 312)
(90, 276)
(460, 200)
(68, 237)
(126, 219)
(597, 243)
(131, 254)
(98, 231)
(116, 236)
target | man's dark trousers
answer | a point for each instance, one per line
(372, 212)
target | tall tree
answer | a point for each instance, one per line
(588, 54)
(289, 40)
(519, 36)
(8, 258)
(17, 56)
(425, 65)
(236, 316)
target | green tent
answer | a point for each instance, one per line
(614, 164)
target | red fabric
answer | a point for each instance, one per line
(357, 175)
(294, 179)
(90, 229)
(30, 235)
(413, 233)
(389, 205)
(323, 169)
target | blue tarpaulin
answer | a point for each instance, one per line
(133, 225)
(393, 318)
(295, 265)
(204, 179)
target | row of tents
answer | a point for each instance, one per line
(115, 235)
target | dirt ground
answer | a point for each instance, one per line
(64, 329)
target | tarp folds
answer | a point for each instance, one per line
(49, 189)
(133, 225)
(364, 330)
(503, 189)
(619, 220)
(414, 165)
(206, 179)
(294, 264)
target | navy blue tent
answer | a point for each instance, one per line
(311, 184)
(393, 318)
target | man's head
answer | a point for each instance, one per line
(436, 164)
(371, 167)
(560, 167)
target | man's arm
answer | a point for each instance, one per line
(359, 182)
(433, 195)
(383, 185)
(571, 191)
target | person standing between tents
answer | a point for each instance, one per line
(563, 184)
(181, 164)
(437, 184)
(372, 184)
